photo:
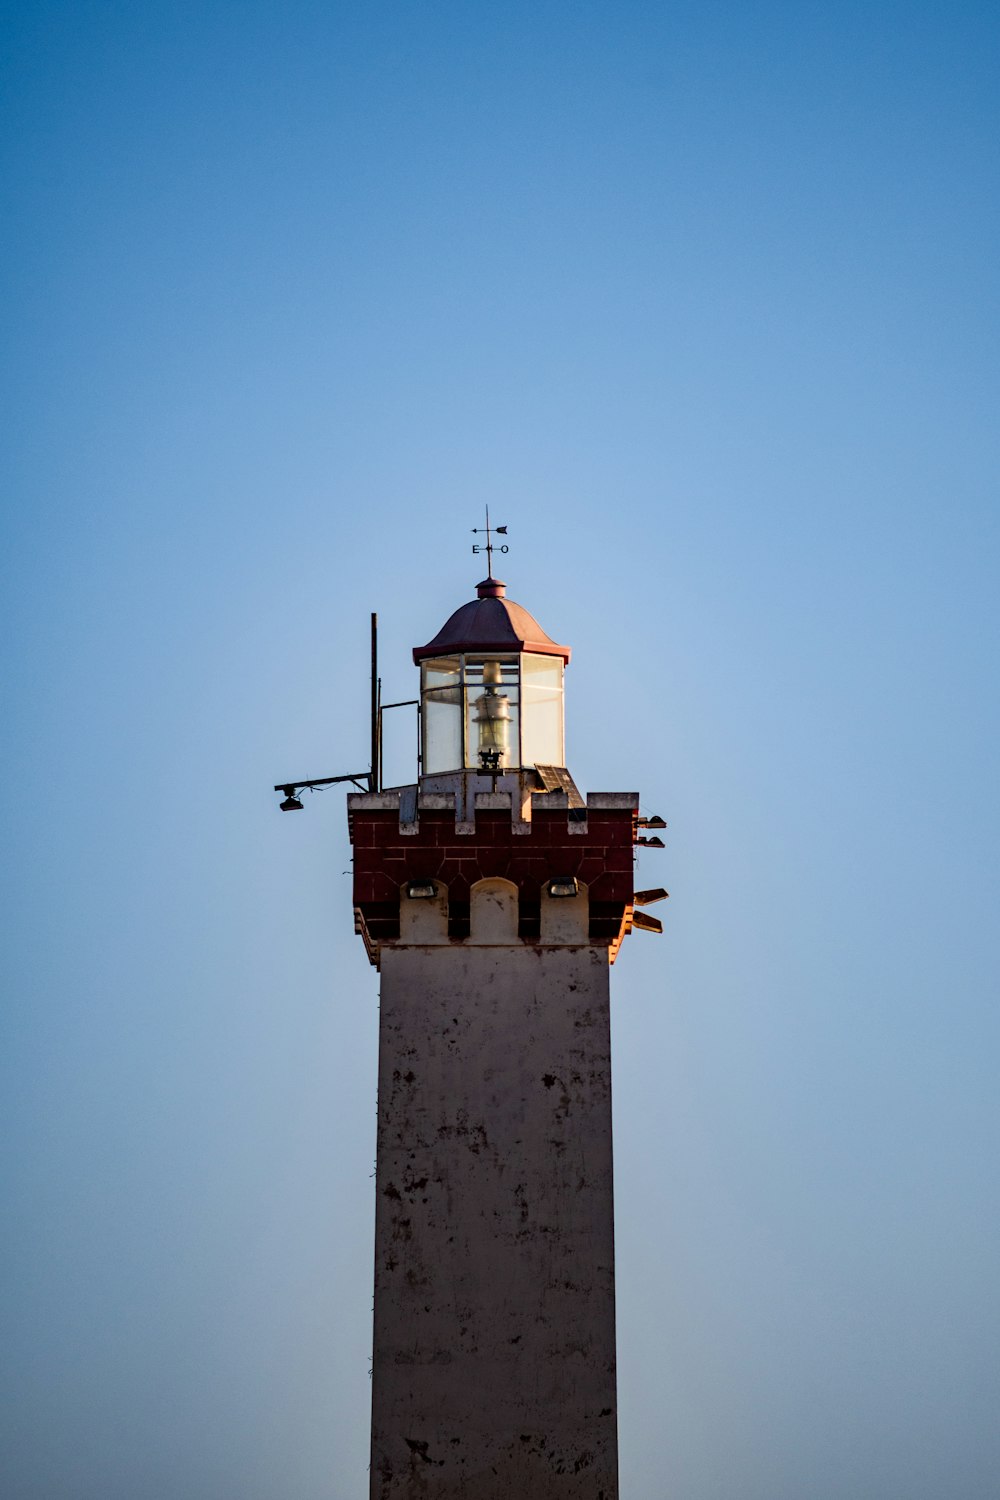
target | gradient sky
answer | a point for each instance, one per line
(702, 300)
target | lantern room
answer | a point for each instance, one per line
(491, 690)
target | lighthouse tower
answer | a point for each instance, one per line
(493, 898)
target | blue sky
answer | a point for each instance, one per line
(701, 299)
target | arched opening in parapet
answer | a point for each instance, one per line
(493, 912)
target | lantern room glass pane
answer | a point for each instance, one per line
(542, 711)
(491, 724)
(442, 714)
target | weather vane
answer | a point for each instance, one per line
(488, 548)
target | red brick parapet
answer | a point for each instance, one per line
(403, 836)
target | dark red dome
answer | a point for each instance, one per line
(490, 622)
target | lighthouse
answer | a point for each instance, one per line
(493, 898)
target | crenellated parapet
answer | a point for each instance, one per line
(421, 860)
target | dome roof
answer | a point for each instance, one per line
(490, 622)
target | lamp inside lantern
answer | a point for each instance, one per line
(493, 719)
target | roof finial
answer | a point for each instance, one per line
(478, 547)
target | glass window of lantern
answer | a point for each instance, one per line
(491, 712)
(542, 711)
(442, 714)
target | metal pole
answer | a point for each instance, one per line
(378, 721)
(376, 770)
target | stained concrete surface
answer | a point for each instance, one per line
(494, 1347)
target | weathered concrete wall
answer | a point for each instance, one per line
(494, 1350)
